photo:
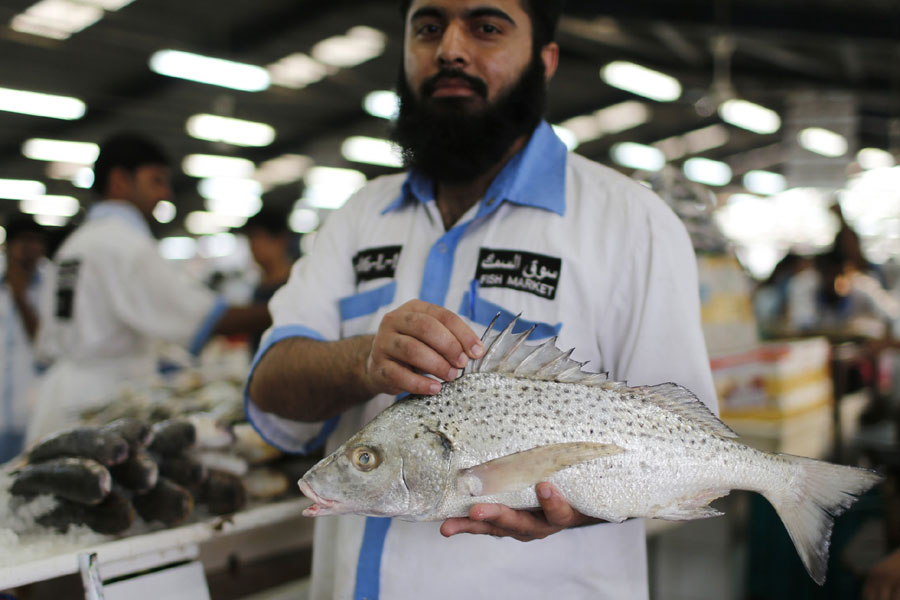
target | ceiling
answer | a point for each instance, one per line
(780, 47)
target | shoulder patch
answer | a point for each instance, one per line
(376, 263)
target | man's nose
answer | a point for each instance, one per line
(453, 50)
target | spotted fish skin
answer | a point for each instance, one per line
(525, 414)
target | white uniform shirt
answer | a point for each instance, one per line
(110, 299)
(574, 247)
(17, 370)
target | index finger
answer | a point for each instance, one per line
(467, 338)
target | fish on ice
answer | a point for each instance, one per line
(523, 414)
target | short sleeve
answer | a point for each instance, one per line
(160, 299)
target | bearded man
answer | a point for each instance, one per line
(493, 217)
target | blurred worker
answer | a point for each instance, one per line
(494, 216)
(271, 244)
(26, 245)
(111, 299)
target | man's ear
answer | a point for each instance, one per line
(119, 183)
(550, 56)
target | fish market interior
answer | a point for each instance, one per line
(769, 129)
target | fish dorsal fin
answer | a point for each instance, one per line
(680, 400)
(506, 352)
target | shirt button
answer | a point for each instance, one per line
(442, 248)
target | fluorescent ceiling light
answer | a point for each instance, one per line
(207, 223)
(178, 247)
(81, 153)
(607, 121)
(823, 141)
(213, 71)
(875, 158)
(80, 176)
(41, 105)
(56, 206)
(217, 245)
(228, 187)
(303, 220)
(296, 71)
(765, 183)
(165, 212)
(706, 171)
(358, 45)
(567, 136)
(51, 220)
(235, 206)
(371, 151)
(110, 5)
(694, 142)
(282, 170)
(231, 131)
(56, 19)
(383, 104)
(210, 165)
(84, 178)
(750, 116)
(638, 156)
(329, 187)
(21, 189)
(641, 81)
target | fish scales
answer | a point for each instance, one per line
(524, 414)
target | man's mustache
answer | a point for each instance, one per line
(430, 84)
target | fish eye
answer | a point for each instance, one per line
(365, 458)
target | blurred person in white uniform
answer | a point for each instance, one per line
(494, 216)
(111, 299)
(26, 247)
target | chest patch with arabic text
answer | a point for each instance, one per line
(519, 270)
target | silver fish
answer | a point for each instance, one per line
(523, 414)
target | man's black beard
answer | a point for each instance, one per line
(448, 143)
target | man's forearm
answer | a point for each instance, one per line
(27, 314)
(308, 380)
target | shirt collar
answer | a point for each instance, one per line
(535, 176)
(117, 209)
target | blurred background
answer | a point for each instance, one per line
(772, 128)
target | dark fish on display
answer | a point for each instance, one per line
(106, 447)
(138, 473)
(80, 480)
(173, 437)
(168, 503)
(112, 516)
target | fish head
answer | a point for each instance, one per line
(390, 468)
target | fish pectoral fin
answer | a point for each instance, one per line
(529, 467)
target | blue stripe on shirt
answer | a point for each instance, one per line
(207, 326)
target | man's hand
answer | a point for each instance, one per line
(419, 337)
(523, 525)
(883, 580)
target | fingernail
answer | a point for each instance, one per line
(477, 350)
(434, 388)
(463, 360)
(451, 374)
(545, 492)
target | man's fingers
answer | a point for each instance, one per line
(469, 340)
(419, 356)
(556, 509)
(395, 378)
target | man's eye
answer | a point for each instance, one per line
(428, 29)
(488, 28)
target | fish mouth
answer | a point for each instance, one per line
(321, 506)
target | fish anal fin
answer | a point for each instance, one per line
(529, 467)
(696, 507)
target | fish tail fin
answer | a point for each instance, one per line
(820, 492)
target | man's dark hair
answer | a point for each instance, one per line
(274, 221)
(129, 151)
(18, 225)
(544, 15)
